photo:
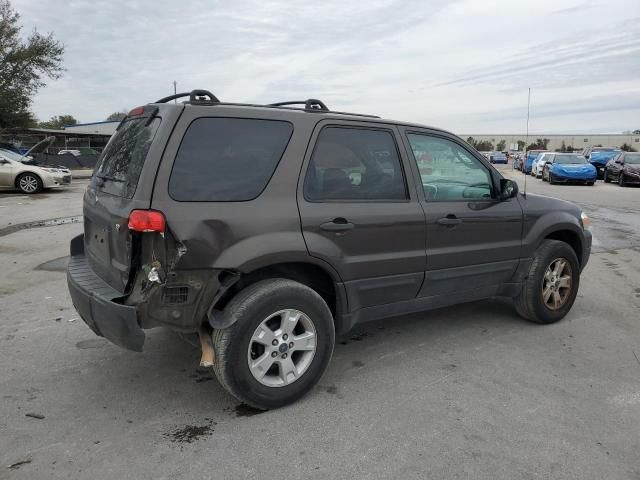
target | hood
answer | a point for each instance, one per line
(41, 146)
(535, 203)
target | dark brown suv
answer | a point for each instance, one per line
(270, 229)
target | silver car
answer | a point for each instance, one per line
(17, 172)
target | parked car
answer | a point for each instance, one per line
(74, 152)
(269, 230)
(568, 167)
(600, 156)
(531, 156)
(16, 172)
(497, 157)
(624, 168)
(538, 164)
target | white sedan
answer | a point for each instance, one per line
(538, 164)
(16, 172)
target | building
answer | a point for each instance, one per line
(575, 141)
(99, 128)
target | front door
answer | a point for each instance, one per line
(359, 215)
(6, 173)
(473, 239)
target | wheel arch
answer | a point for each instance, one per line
(27, 172)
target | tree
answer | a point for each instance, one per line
(636, 132)
(521, 145)
(116, 116)
(501, 145)
(471, 141)
(627, 148)
(484, 146)
(23, 66)
(539, 144)
(59, 122)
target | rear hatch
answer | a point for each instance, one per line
(122, 181)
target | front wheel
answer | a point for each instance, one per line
(29, 183)
(551, 287)
(278, 346)
(605, 177)
(551, 180)
(621, 179)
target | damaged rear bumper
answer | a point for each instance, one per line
(97, 304)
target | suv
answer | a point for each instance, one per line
(268, 230)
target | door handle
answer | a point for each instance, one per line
(337, 225)
(449, 220)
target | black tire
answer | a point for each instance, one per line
(621, 179)
(551, 181)
(248, 309)
(591, 183)
(605, 177)
(543, 179)
(30, 179)
(529, 303)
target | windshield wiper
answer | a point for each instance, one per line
(109, 178)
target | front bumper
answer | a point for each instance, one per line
(56, 180)
(567, 177)
(97, 304)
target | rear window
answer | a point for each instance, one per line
(227, 159)
(118, 169)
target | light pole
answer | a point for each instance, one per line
(174, 91)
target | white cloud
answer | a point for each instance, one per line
(463, 65)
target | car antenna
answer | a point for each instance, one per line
(526, 142)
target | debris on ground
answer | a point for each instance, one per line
(17, 465)
(39, 416)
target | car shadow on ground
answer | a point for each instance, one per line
(167, 375)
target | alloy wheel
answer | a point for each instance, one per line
(282, 348)
(557, 283)
(28, 183)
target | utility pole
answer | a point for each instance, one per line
(175, 91)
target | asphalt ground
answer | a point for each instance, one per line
(466, 392)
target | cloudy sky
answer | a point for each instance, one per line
(460, 65)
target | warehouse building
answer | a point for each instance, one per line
(556, 142)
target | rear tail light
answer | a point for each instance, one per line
(136, 111)
(146, 221)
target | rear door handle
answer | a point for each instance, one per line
(337, 225)
(449, 220)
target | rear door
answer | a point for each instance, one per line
(122, 181)
(359, 214)
(473, 239)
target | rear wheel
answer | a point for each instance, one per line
(29, 183)
(279, 345)
(552, 284)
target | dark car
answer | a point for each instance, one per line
(624, 168)
(568, 168)
(268, 230)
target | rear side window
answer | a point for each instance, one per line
(118, 169)
(354, 164)
(227, 159)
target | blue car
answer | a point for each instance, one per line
(600, 158)
(531, 156)
(498, 157)
(568, 167)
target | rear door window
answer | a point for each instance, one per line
(118, 169)
(227, 159)
(354, 164)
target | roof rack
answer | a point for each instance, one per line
(205, 97)
(310, 104)
(196, 96)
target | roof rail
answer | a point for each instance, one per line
(195, 96)
(310, 104)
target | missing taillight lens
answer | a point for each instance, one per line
(146, 221)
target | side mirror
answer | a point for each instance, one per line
(508, 189)
(3, 161)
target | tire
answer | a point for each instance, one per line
(530, 303)
(543, 179)
(591, 183)
(29, 183)
(621, 179)
(605, 177)
(551, 182)
(235, 348)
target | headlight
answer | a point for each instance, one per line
(586, 221)
(50, 170)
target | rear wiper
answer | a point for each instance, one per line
(109, 178)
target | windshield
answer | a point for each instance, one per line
(11, 155)
(632, 158)
(570, 159)
(121, 162)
